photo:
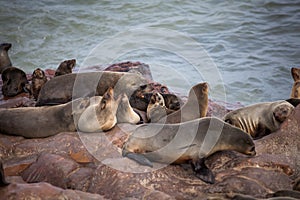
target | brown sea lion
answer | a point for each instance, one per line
(4, 58)
(100, 116)
(37, 122)
(38, 81)
(65, 67)
(191, 141)
(260, 119)
(62, 89)
(296, 86)
(141, 97)
(195, 107)
(14, 81)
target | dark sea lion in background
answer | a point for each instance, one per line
(4, 58)
(3, 182)
(62, 89)
(38, 81)
(65, 67)
(141, 97)
(191, 141)
(14, 81)
(38, 122)
(260, 119)
(296, 86)
(195, 107)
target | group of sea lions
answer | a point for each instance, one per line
(172, 132)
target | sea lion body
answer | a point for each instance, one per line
(296, 86)
(38, 81)
(195, 107)
(14, 81)
(62, 89)
(260, 119)
(4, 58)
(188, 141)
(65, 67)
(37, 122)
(125, 113)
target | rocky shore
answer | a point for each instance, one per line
(61, 167)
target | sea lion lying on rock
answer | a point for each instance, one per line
(62, 89)
(4, 58)
(296, 86)
(191, 141)
(65, 67)
(260, 119)
(14, 81)
(195, 107)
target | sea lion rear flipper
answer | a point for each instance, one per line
(139, 158)
(295, 102)
(3, 182)
(202, 171)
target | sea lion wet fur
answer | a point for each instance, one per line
(14, 81)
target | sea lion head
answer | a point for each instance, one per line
(14, 81)
(38, 73)
(5, 46)
(233, 138)
(65, 67)
(125, 112)
(282, 111)
(4, 58)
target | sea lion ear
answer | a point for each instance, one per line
(295, 73)
(103, 104)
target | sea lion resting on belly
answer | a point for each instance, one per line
(62, 89)
(14, 81)
(260, 119)
(188, 141)
(296, 86)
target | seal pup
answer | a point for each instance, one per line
(4, 58)
(260, 119)
(38, 122)
(295, 93)
(100, 116)
(14, 81)
(38, 81)
(195, 107)
(62, 89)
(191, 141)
(65, 67)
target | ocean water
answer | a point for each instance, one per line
(243, 49)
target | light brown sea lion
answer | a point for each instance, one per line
(14, 81)
(141, 97)
(260, 119)
(37, 122)
(4, 58)
(296, 86)
(38, 81)
(125, 113)
(62, 89)
(188, 141)
(195, 107)
(65, 67)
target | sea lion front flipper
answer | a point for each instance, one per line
(139, 158)
(202, 171)
(3, 182)
(295, 102)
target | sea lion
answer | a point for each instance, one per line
(125, 113)
(38, 81)
(100, 116)
(62, 89)
(65, 67)
(191, 141)
(141, 97)
(260, 119)
(14, 81)
(296, 86)
(195, 107)
(38, 122)
(4, 58)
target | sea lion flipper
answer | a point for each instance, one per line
(3, 182)
(202, 171)
(139, 158)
